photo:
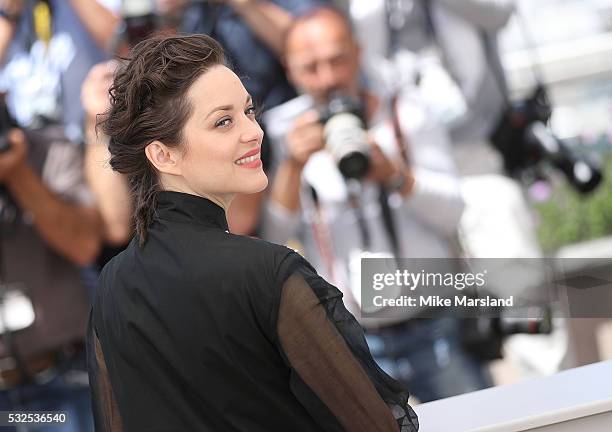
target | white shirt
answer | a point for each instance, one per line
(425, 221)
(461, 27)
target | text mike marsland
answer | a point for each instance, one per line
(439, 301)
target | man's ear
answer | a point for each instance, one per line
(165, 159)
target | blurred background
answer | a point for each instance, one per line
(570, 43)
(512, 101)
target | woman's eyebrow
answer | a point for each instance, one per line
(221, 108)
(227, 107)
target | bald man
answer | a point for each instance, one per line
(408, 204)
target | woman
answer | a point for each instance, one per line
(196, 329)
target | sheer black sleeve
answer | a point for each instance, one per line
(332, 371)
(105, 409)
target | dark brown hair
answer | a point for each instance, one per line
(149, 102)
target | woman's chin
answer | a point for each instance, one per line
(256, 184)
(263, 182)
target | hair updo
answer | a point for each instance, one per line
(149, 102)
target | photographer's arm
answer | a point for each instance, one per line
(99, 21)
(7, 29)
(491, 15)
(436, 196)
(7, 25)
(116, 207)
(283, 208)
(287, 184)
(281, 215)
(268, 21)
(72, 230)
(436, 200)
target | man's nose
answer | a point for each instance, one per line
(328, 78)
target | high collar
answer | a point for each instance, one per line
(183, 207)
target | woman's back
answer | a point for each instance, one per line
(191, 317)
(211, 331)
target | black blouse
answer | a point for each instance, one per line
(203, 330)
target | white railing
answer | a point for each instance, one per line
(578, 399)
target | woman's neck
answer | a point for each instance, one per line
(222, 200)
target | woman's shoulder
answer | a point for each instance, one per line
(273, 261)
(262, 251)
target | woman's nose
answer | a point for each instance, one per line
(252, 132)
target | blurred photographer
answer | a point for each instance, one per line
(496, 142)
(46, 49)
(251, 32)
(366, 172)
(462, 37)
(49, 228)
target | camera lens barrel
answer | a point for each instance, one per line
(347, 141)
(581, 173)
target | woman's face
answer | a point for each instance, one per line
(222, 139)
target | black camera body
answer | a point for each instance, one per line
(6, 123)
(525, 140)
(345, 134)
(484, 336)
(138, 28)
(140, 20)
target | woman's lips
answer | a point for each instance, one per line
(249, 153)
(250, 160)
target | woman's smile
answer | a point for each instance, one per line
(250, 159)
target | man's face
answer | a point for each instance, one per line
(169, 7)
(171, 11)
(322, 57)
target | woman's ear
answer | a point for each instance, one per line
(165, 159)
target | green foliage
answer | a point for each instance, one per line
(569, 217)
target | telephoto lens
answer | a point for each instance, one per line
(345, 135)
(580, 172)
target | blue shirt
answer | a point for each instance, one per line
(258, 67)
(47, 81)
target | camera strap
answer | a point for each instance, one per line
(400, 139)
(322, 236)
(320, 229)
(354, 200)
(388, 221)
(496, 67)
(383, 194)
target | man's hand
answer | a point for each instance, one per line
(14, 157)
(386, 172)
(381, 169)
(267, 20)
(94, 92)
(306, 138)
(11, 7)
(234, 3)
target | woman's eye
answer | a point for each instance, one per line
(250, 111)
(223, 122)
